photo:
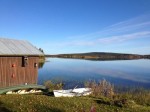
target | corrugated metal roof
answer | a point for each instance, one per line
(17, 47)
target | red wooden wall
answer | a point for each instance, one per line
(13, 73)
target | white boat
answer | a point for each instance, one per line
(72, 92)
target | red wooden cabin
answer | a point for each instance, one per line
(18, 62)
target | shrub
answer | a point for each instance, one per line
(50, 86)
(103, 88)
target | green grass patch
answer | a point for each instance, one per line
(42, 103)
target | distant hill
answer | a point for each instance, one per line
(147, 56)
(100, 56)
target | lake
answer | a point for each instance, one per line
(73, 72)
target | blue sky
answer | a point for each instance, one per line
(75, 26)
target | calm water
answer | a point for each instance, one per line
(75, 72)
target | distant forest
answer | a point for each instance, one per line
(101, 56)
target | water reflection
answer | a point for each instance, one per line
(126, 72)
(41, 64)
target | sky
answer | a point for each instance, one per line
(78, 26)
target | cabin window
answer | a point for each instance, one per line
(35, 65)
(24, 61)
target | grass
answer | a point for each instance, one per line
(42, 103)
(141, 96)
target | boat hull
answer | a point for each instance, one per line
(72, 92)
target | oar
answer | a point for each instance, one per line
(73, 88)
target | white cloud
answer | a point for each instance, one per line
(125, 31)
(139, 23)
(108, 40)
(134, 28)
(126, 37)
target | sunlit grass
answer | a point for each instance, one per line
(42, 103)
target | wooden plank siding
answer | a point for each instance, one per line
(21, 75)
